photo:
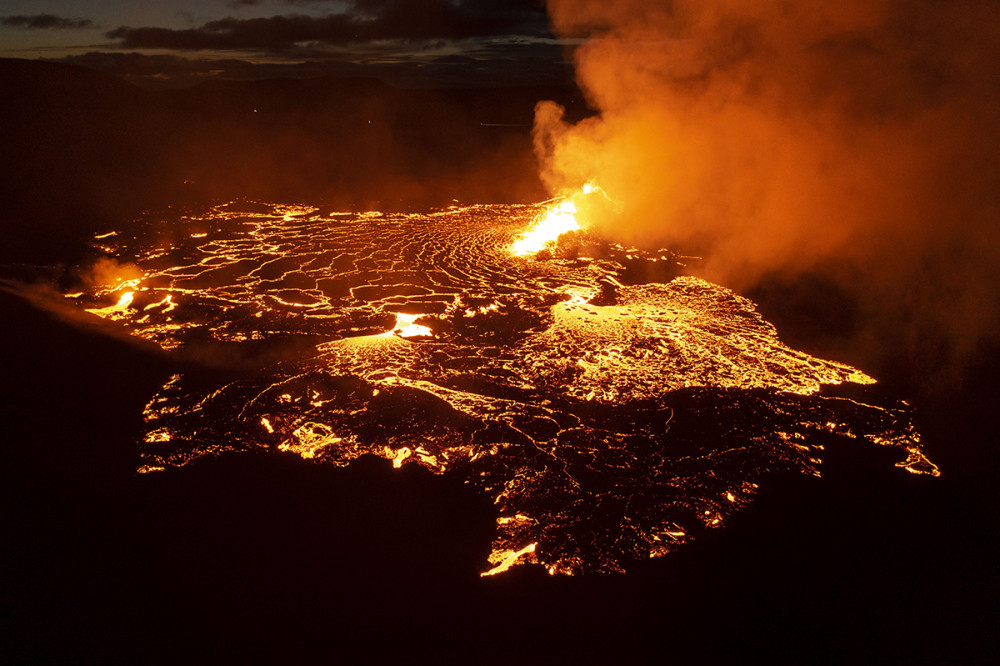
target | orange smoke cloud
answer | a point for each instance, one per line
(107, 273)
(775, 136)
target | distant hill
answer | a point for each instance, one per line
(82, 149)
(74, 144)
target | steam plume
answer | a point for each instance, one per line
(857, 138)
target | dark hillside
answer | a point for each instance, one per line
(82, 150)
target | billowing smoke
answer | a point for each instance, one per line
(857, 140)
(107, 273)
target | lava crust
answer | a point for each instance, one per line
(610, 421)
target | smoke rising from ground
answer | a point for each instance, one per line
(108, 272)
(855, 139)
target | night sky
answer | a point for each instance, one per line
(160, 43)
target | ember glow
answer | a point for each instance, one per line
(607, 421)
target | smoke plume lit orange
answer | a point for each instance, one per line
(856, 138)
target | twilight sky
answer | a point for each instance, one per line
(416, 42)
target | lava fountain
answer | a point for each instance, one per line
(559, 217)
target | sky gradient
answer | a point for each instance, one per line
(410, 42)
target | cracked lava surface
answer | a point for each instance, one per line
(607, 418)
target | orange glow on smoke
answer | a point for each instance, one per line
(766, 135)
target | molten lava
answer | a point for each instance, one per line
(557, 220)
(607, 421)
(407, 328)
(560, 217)
(120, 307)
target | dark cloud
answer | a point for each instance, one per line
(46, 21)
(368, 20)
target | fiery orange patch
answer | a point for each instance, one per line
(563, 215)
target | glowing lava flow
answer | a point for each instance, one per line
(121, 306)
(608, 421)
(508, 558)
(558, 220)
(406, 328)
(562, 216)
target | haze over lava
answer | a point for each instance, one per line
(854, 140)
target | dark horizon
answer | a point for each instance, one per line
(86, 148)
